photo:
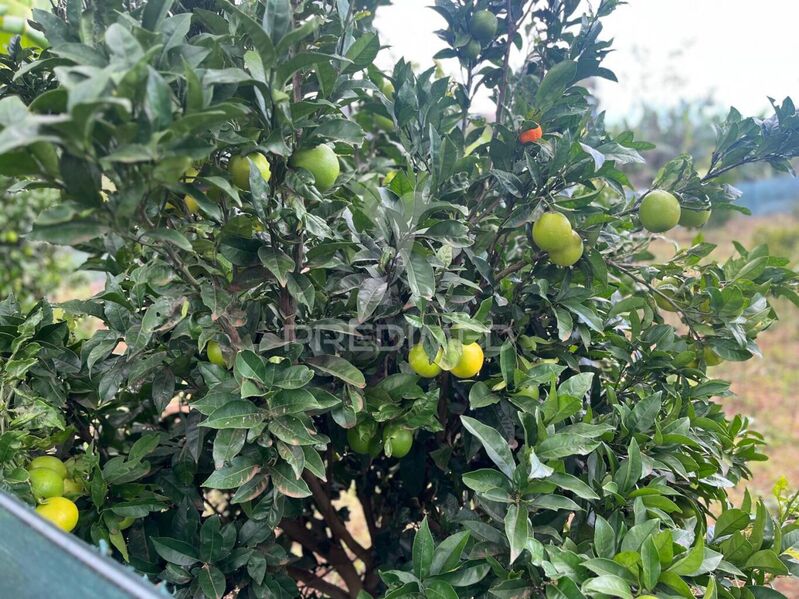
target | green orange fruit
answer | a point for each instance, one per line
(711, 357)
(483, 25)
(570, 254)
(421, 364)
(397, 441)
(472, 50)
(552, 232)
(51, 463)
(215, 356)
(693, 218)
(46, 483)
(321, 161)
(72, 488)
(667, 287)
(361, 437)
(239, 168)
(659, 211)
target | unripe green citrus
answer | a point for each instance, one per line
(472, 50)
(397, 441)
(552, 232)
(570, 254)
(383, 122)
(470, 363)
(668, 288)
(321, 161)
(711, 357)
(46, 483)
(72, 488)
(659, 211)
(361, 436)
(51, 463)
(239, 167)
(60, 511)
(421, 364)
(215, 356)
(693, 218)
(483, 25)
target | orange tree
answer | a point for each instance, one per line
(279, 222)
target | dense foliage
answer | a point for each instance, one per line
(249, 324)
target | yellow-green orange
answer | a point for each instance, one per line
(552, 232)
(470, 363)
(321, 161)
(693, 218)
(192, 207)
(214, 351)
(659, 211)
(60, 511)
(711, 357)
(239, 167)
(483, 25)
(51, 463)
(421, 364)
(570, 254)
(46, 483)
(72, 488)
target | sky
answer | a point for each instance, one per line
(737, 51)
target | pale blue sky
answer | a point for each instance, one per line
(738, 50)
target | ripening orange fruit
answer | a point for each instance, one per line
(529, 136)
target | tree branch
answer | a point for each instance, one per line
(314, 582)
(333, 520)
(515, 267)
(330, 549)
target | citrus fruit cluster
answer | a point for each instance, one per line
(483, 28)
(469, 364)
(553, 233)
(320, 161)
(365, 438)
(660, 211)
(54, 491)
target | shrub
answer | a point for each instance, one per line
(246, 332)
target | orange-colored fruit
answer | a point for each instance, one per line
(529, 136)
